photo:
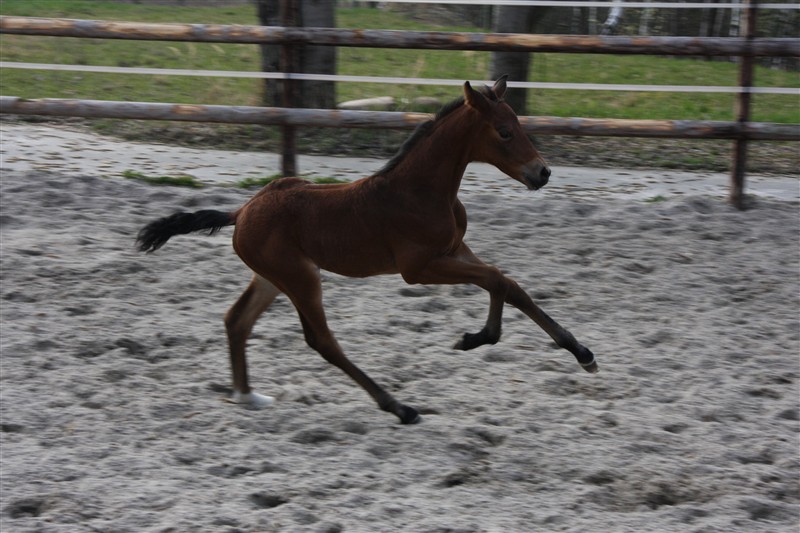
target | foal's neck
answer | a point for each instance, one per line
(435, 165)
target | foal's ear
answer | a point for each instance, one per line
(475, 99)
(499, 87)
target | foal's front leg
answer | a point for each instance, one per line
(464, 267)
(490, 333)
(563, 338)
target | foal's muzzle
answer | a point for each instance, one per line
(536, 176)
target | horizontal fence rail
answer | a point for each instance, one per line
(424, 40)
(327, 118)
(730, 89)
(597, 3)
(741, 131)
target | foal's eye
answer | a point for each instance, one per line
(505, 134)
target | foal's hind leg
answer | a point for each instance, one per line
(305, 290)
(239, 322)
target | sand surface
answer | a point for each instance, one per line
(114, 369)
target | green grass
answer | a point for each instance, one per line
(190, 181)
(656, 199)
(573, 68)
(251, 183)
(609, 69)
(323, 180)
(174, 181)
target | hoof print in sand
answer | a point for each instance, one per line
(267, 500)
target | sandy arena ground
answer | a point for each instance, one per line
(114, 364)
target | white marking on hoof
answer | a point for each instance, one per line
(252, 399)
(591, 366)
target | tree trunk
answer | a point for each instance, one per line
(613, 20)
(510, 19)
(644, 22)
(592, 21)
(733, 28)
(309, 59)
(318, 59)
(719, 21)
(705, 21)
(268, 15)
(575, 21)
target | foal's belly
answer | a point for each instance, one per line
(349, 254)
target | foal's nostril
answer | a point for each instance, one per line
(545, 173)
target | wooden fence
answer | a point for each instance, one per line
(740, 131)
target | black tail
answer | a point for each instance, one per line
(155, 234)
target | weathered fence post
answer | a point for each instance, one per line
(743, 106)
(289, 18)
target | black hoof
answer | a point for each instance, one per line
(408, 415)
(473, 340)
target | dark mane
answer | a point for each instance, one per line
(421, 132)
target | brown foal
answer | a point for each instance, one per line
(405, 219)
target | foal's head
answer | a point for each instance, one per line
(504, 143)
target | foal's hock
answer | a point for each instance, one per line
(405, 219)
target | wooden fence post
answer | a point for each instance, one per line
(743, 107)
(290, 17)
